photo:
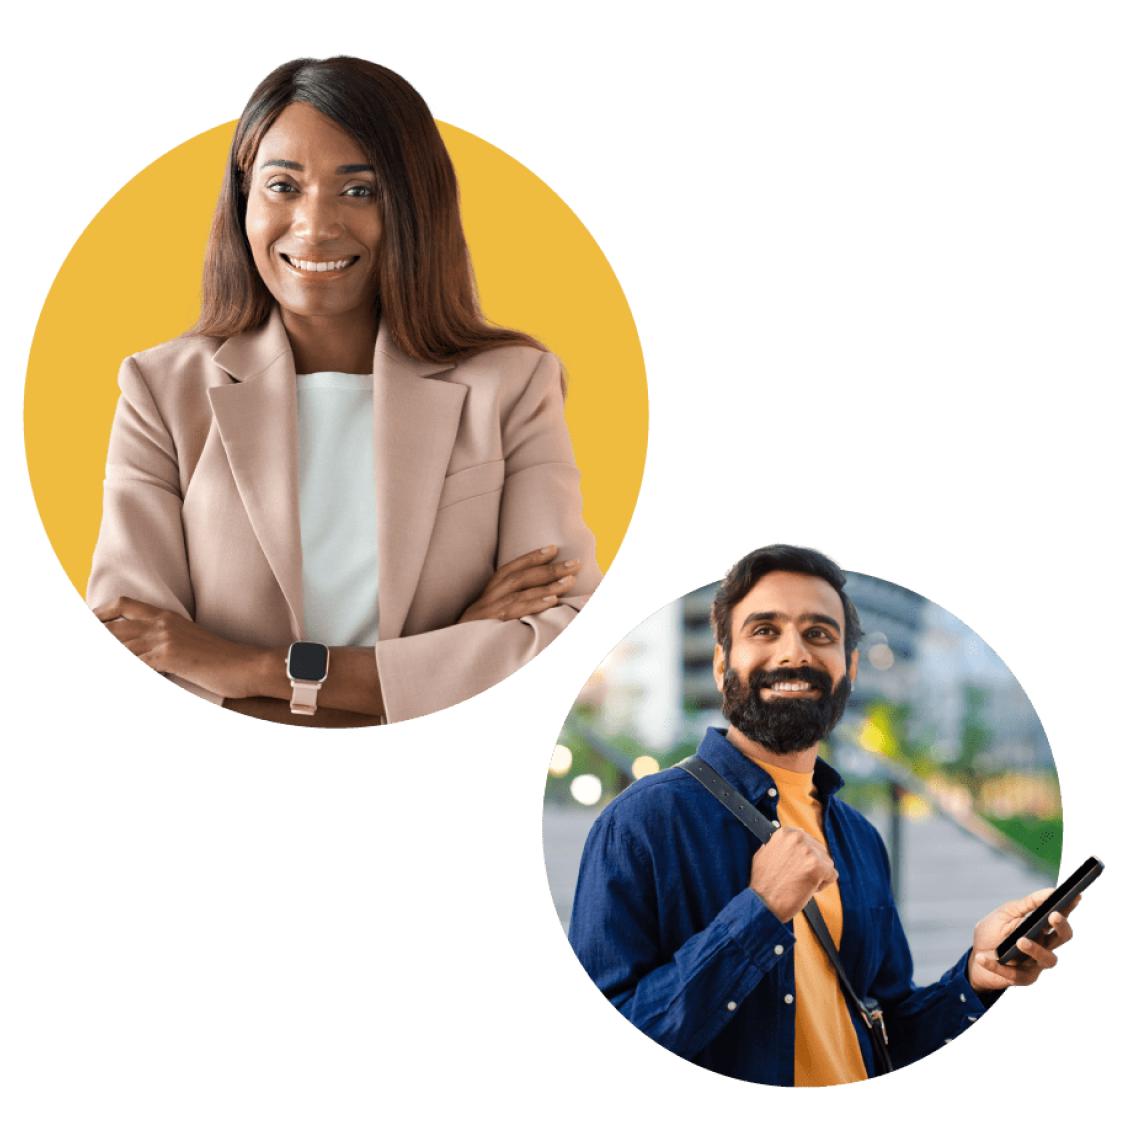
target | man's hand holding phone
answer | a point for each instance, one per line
(986, 974)
(1014, 944)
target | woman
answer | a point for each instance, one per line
(342, 450)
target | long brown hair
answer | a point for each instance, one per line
(427, 291)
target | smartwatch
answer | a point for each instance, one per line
(307, 668)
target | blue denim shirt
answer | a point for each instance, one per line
(667, 927)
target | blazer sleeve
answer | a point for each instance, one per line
(141, 547)
(540, 505)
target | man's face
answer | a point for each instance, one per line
(786, 683)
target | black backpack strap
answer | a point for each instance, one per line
(719, 787)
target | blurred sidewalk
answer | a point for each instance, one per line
(949, 881)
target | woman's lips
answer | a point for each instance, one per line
(318, 267)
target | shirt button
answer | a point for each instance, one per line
(962, 997)
(773, 792)
(776, 824)
(971, 1018)
(788, 999)
(779, 949)
(731, 1005)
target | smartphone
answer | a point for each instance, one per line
(1036, 923)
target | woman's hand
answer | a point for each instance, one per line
(525, 586)
(172, 644)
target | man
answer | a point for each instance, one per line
(695, 932)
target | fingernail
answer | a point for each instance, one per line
(571, 563)
(549, 599)
(564, 580)
(548, 548)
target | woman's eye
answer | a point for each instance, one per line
(351, 191)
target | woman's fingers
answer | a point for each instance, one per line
(523, 575)
(524, 586)
(532, 600)
(532, 559)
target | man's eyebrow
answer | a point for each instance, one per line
(362, 168)
(773, 616)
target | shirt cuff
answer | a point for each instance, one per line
(757, 930)
(959, 989)
(986, 998)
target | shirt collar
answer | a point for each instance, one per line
(749, 777)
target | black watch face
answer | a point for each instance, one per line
(307, 662)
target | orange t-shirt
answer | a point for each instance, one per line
(827, 1051)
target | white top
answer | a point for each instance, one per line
(339, 532)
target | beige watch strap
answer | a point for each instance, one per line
(304, 695)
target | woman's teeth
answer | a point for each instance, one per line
(318, 266)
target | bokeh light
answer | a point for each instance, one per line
(560, 761)
(644, 766)
(587, 788)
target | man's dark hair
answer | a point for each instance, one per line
(742, 577)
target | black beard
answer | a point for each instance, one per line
(784, 725)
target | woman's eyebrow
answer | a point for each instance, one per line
(363, 168)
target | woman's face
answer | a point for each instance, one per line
(313, 217)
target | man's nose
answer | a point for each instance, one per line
(795, 650)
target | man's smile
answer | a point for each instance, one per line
(789, 690)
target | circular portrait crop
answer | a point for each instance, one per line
(376, 454)
(796, 823)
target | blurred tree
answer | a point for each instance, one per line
(886, 730)
(975, 737)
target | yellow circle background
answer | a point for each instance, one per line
(133, 280)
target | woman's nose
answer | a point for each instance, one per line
(316, 218)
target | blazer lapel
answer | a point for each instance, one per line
(416, 423)
(256, 417)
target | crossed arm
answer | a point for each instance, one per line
(252, 680)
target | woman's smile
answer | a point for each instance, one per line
(306, 267)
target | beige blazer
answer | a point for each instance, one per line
(473, 467)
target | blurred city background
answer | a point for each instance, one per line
(939, 747)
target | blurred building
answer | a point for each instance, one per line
(891, 621)
(956, 664)
(638, 689)
(699, 692)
